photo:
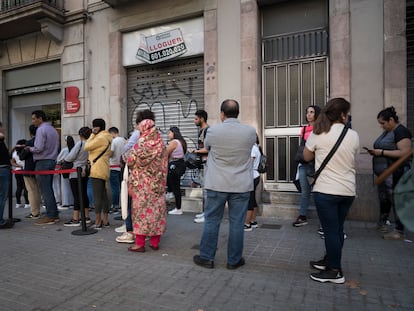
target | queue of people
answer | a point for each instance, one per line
(230, 153)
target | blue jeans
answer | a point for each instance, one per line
(128, 220)
(115, 182)
(46, 186)
(213, 213)
(89, 191)
(4, 190)
(332, 211)
(306, 190)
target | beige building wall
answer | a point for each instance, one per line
(368, 67)
(228, 25)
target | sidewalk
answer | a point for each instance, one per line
(48, 268)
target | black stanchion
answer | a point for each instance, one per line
(11, 219)
(85, 230)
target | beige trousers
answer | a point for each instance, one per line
(33, 193)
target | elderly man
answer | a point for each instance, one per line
(228, 178)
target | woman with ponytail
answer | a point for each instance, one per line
(334, 190)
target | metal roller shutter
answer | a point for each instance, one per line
(172, 90)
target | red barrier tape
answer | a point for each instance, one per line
(48, 172)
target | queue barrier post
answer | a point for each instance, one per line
(85, 230)
(11, 219)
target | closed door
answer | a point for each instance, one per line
(288, 88)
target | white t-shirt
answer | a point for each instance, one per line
(256, 155)
(18, 161)
(338, 176)
(117, 147)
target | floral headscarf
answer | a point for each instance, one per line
(149, 145)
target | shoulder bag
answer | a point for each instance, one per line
(299, 153)
(68, 165)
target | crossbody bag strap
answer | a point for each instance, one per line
(302, 139)
(80, 148)
(330, 154)
(102, 153)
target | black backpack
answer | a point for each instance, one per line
(262, 168)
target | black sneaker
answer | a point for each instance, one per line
(322, 236)
(72, 223)
(31, 216)
(328, 276)
(320, 231)
(87, 220)
(107, 225)
(300, 221)
(247, 227)
(320, 264)
(115, 210)
(254, 224)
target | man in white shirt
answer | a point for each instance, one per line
(117, 148)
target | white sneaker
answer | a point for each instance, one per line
(175, 211)
(62, 207)
(126, 237)
(27, 206)
(199, 220)
(201, 215)
(19, 205)
(121, 229)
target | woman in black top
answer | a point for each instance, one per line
(392, 144)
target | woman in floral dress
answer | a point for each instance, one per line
(147, 161)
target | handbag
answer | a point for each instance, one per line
(124, 194)
(87, 168)
(68, 165)
(296, 181)
(193, 161)
(299, 154)
(65, 166)
(312, 177)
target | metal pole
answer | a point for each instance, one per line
(11, 219)
(85, 230)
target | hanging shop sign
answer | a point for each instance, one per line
(162, 43)
(72, 102)
(161, 47)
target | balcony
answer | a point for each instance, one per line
(20, 17)
(117, 3)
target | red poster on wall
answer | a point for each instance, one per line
(72, 103)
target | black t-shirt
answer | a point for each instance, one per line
(201, 137)
(4, 153)
(401, 132)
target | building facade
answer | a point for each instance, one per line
(80, 60)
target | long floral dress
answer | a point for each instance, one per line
(148, 161)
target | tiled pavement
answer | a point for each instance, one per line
(48, 268)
